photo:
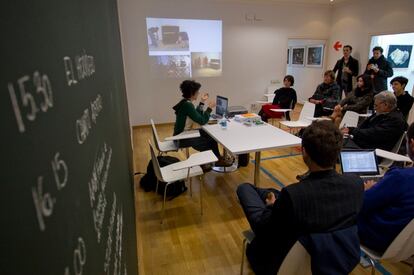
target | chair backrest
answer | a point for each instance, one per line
(155, 135)
(308, 110)
(297, 261)
(395, 149)
(350, 119)
(410, 118)
(155, 163)
(403, 245)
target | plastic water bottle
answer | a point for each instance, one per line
(223, 122)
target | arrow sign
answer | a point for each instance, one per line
(337, 45)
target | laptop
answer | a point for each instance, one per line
(222, 105)
(362, 163)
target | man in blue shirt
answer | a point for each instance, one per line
(388, 204)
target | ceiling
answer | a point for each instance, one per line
(327, 2)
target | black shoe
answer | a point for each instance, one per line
(206, 167)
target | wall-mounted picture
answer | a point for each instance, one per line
(314, 56)
(399, 55)
(298, 56)
(288, 56)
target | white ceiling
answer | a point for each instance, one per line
(327, 2)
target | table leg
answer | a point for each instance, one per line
(257, 169)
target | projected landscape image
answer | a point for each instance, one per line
(206, 64)
(184, 47)
(166, 66)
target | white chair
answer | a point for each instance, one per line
(180, 171)
(305, 117)
(350, 119)
(296, 262)
(162, 146)
(400, 249)
(386, 163)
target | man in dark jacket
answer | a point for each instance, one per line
(326, 96)
(381, 130)
(404, 99)
(379, 69)
(347, 68)
(325, 201)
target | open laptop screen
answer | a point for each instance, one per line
(359, 162)
(222, 104)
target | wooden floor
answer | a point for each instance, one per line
(188, 243)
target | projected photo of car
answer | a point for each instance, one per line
(205, 64)
(168, 38)
(170, 66)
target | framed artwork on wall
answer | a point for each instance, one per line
(298, 56)
(288, 56)
(314, 57)
(399, 55)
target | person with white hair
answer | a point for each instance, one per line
(381, 130)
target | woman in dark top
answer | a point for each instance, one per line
(285, 98)
(357, 101)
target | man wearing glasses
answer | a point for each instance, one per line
(381, 130)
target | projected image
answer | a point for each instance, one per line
(174, 66)
(168, 38)
(185, 37)
(206, 64)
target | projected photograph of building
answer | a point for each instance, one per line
(205, 64)
(170, 66)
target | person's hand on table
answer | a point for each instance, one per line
(204, 97)
(368, 184)
(345, 131)
(270, 198)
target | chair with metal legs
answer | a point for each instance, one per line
(183, 170)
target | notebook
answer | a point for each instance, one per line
(362, 163)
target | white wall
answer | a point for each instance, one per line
(306, 78)
(355, 21)
(253, 54)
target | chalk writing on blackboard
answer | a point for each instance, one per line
(35, 94)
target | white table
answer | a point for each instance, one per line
(238, 139)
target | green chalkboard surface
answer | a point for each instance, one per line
(67, 203)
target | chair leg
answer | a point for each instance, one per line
(156, 187)
(201, 192)
(243, 255)
(163, 203)
(187, 152)
(371, 261)
(190, 182)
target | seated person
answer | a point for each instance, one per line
(187, 116)
(324, 201)
(285, 98)
(388, 204)
(357, 101)
(404, 99)
(381, 130)
(326, 96)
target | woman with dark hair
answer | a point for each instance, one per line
(188, 116)
(285, 98)
(358, 100)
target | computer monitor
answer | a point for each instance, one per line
(222, 104)
(359, 162)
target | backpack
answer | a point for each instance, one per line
(149, 181)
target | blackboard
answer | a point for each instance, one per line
(67, 198)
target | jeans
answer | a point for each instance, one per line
(202, 143)
(253, 201)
